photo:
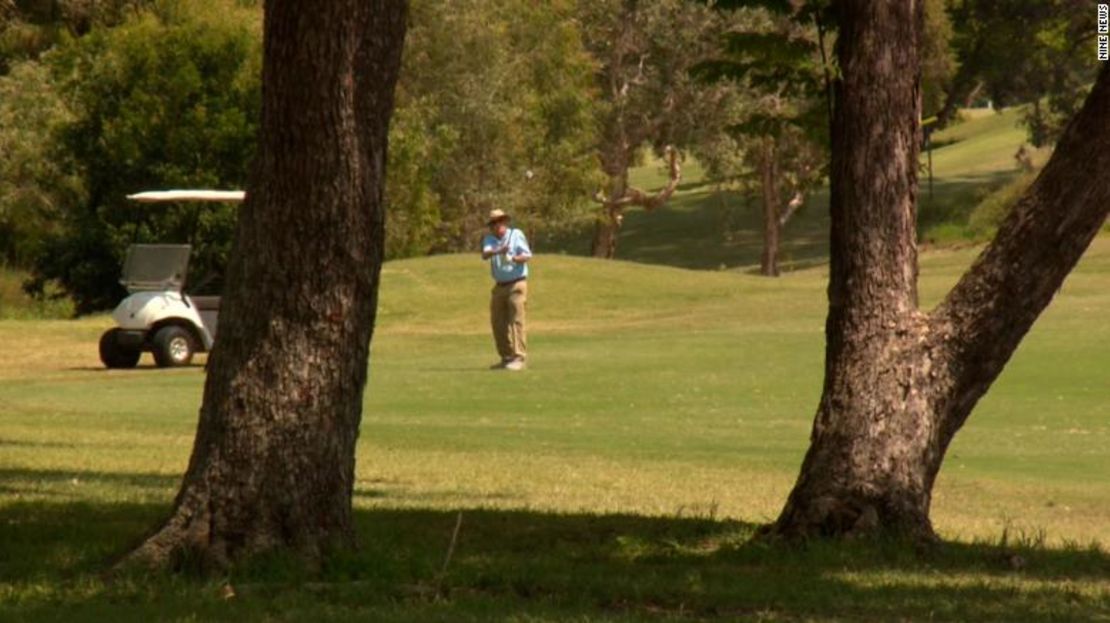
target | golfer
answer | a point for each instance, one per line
(508, 254)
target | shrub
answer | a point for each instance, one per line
(166, 100)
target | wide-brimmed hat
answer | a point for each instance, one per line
(497, 215)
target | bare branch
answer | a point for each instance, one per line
(796, 202)
(636, 197)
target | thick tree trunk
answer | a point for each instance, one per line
(898, 383)
(768, 173)
(273, 461)
(872, 458)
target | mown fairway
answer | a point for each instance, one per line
(622, 477)
(665, 412)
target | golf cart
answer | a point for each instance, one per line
(158, 316)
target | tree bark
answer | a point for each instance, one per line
(867, 461)
(273, 461)
(607, 226)
(900, 383)
(768, 173)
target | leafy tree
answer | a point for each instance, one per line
(644, 52)
(164, 101)
(274, 457)
(494, 107)
(30, 27)
(900, 381)
(938, 56)
(778, 58)
(1014, 51)
(33, 187)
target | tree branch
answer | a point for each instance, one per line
(996, 302)
(635, 196)
(792, 206)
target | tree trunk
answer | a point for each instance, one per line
(606, 229)
(899, 384)
(871, 456)
(768, 170)
(608, 224)
(273, 461)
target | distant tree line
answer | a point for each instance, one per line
(540, 108)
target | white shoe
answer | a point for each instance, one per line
(515, 365)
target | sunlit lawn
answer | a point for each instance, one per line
(662, 420)
(665, 414)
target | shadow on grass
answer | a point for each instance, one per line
(144, 367)
(543, 566)
(708, 230)
(954, 199)
(23, 443)
(10, 477)
(704, 229)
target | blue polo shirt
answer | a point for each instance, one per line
(502, 267)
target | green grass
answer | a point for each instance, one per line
(973, 159)
(621, 477)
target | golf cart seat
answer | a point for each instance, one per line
(206, 303)
(209, 309)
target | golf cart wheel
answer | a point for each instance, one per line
(115, 354)
(173, 346)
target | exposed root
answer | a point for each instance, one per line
(832, 517)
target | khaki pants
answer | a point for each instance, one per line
(506, 315)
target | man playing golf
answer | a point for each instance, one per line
(508, 254)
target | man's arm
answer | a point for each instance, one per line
(521, 253)
(490, 250)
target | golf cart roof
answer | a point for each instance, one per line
(160, 196)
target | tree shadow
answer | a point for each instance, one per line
(419, 564)
(955, 198)
(23, 443)
(143, 367)
(50, 477)
(708, 230)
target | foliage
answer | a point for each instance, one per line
(493, 109)
(645, 53)
(33, 187)
(30, 27)
(780, 135)
(938, 58)
(1021, 51)
(164, 101)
